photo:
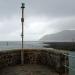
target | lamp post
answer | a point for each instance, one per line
(22, 35)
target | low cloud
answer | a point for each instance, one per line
(42, 17)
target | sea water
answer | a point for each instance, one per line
(71, 63)
(9, 45)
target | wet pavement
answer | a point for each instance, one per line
(27, 70)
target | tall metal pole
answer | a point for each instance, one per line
(22, 20)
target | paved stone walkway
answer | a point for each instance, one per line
(27, 70)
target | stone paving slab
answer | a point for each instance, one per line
(27, 70)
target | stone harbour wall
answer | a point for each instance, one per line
(54, 59)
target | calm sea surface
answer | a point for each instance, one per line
(71, 63)
(17, 45)
(35, 44)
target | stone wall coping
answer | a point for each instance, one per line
(39, 49)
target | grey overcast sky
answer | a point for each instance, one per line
(41, 17)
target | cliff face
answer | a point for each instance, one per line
(64, 36)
